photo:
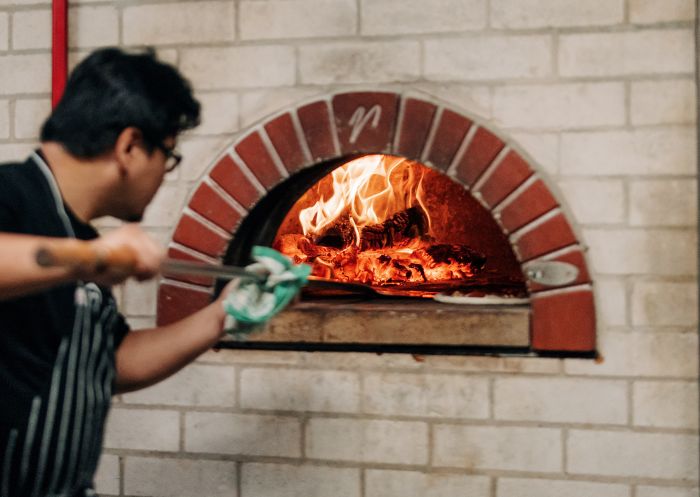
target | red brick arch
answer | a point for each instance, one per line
(562, 319)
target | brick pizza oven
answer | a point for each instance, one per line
(253, 184)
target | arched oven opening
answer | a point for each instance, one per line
(426, 207)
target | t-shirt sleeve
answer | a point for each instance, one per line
(9, 209)
(120, 329)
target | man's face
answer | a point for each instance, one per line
(147, 174)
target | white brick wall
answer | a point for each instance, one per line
(162, 24)
(29, 73)
(4, 30)
(370, 62)
(93, 26)
(196, 385)
(392, 17)
(220, 113)
(179, 477)
(618, 54)
(668, 355)
(279, 480)
(599, 94)
(630, 251)
(656, 151)
(488, 57)
(143, 429)
(517, 14)
(224, 433)
(650, 491)
(29, 116)
(368, 441)
(236, 67)
(650, 11)
(663, 203)
(662, 102)
(666, 404)
(500, 447)
(4, 119)
(426, 395)
(31, 29)
(300, 390)
(560, 106)
(658, 303)
(108, 475)
(595, 201)
(643, 455)
(271, 19)
(521, 487)
(611, 303)
(386, 483)
(561, 400)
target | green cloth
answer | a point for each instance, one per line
(252, 303)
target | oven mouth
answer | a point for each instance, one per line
(249, 189)
(399, 234)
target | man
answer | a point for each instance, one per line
(64, 349)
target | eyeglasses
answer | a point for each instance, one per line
(172, 158)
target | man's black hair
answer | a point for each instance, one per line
(112, 90)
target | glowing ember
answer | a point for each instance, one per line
(371, 225)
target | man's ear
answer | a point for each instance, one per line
(128, 144)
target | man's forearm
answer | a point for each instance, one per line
(148, 356)
(19, 273)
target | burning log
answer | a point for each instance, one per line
(340, 235)
(400, 228)
(456, 254)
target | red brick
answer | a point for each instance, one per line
(564, 322)
(316, 122)
(195, 235)
(207, 202)
(449, 135)
(176, 303)
(227, 173)
(365, 121)
(508, 175)
(534, 201)
(253, 152)
(483, 149)
(174, 253)
(577, 259)
(286, 142)
(547, 237)
(414, 127)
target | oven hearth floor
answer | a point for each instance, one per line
(419, 322)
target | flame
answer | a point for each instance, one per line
(371, 224)
(367, 191)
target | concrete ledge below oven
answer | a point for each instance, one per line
(399, 322)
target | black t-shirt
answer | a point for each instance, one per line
(56, 354)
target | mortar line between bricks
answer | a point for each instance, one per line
(239, 478)
(564, 451)
(457, 422)
(630, 402)
(442, 470)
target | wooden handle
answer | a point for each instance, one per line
(85, 256)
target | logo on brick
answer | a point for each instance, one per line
(361, 117)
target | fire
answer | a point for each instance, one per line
(368, 222)
(368, 191)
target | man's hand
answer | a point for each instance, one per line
(145, 254)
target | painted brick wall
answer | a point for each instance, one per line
(599, 93)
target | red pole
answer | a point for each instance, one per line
(59, 50)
